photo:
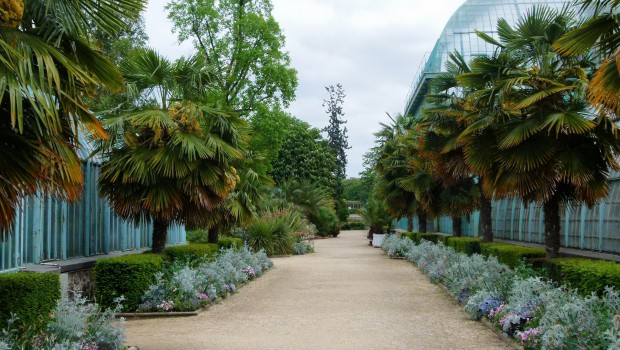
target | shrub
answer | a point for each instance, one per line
(326, 222)
(197, 236)
(431, 237)
(185, 288)
(30, 296)
(273, 233)
(587, 276)
(192, 251)
(303, 247)
(412, 236)
(128, 276)
(353, 225)
(76, 324)
(467, 245)
(510, 254)
(230, 242)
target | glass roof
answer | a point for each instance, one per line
(459, 35)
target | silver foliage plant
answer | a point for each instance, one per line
(75, 324)
(533, 310)
(188, 287)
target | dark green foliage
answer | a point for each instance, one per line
(230, 242)
(411, 235)
(305, 156)
(431, 237)
(353, 225)
(326, 222)
(128, 275)
(192, 251)
(444, 239)
(467, 245)
(197, 236)
(510, 254)
(31, 296)
(356, 189)
(585, 275)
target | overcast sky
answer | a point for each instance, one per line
(373, 48)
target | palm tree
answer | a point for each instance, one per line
(550, 147)
(48, 67)
(439, 127)
(171, 160)
(601, 33)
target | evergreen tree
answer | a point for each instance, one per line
(337, 138)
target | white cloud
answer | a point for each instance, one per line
(373, 48)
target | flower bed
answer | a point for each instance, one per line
(531, 309)
(187, 286)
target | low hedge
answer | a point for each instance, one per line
(197, 236)
(230, 242)
(129, 275)
(586, 275)
(511, 254)
(411, 235)
(31, 296)
(431, 237)
(467, 245)
(192, 251)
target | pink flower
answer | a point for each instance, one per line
(203, 296)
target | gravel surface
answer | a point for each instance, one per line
(347, 295)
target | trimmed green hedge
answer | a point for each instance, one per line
(411, 235)
(467, 245)
(431, 237)
(128, 275)
(192, 251)
(585, 275)
(230, 242)
(511, 254)
(197, 236)
(31, 296)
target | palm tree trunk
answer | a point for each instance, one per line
(410, 223)
(485, 219)
(214, 235)
(552, 226)
(422, 219)
(457, 230)
(160, 231)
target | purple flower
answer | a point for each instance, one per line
(530, 335)
(203, 296)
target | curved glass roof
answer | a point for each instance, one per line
(459, 35)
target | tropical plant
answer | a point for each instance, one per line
(172, 161)
(552, 149)
(48, 67)
(601, 33)
(376, 215)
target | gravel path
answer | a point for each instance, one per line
(345, 296)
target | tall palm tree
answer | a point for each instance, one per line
(171, 159)
(551, 148)
(48, 66)
(439, 129)
(601, 33)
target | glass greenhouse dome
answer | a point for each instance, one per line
(459, 35)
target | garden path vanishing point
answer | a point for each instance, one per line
(347, 295)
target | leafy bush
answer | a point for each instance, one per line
(76, 324)
(326, 222)
(186, 288)
(353, 225)
(192, 251)
(467, 245)
(510, 254)
(128, 276)
(413, 236)
(30, 296)
(273, 233)
(396, 247)
(431, 237)
(230, 242)
(197, 236)
(587, 276)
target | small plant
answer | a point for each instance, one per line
(74, 324)
(303, 247)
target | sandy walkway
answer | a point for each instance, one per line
(345, 296)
